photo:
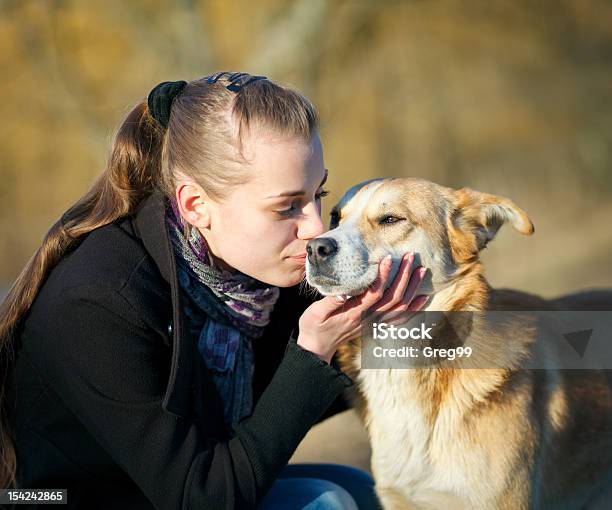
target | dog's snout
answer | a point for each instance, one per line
(321, 249)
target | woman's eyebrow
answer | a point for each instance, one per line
(297, 193)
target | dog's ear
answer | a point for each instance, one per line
(484, 214)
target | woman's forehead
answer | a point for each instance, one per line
(281, 164)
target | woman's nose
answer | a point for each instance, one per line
(312, 223)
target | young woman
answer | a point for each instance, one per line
(156, 352)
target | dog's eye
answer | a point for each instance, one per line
(389, 219)
(334, 219)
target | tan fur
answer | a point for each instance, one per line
(480, 438)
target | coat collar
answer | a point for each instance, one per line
(151, 225)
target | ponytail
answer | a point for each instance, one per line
(132, 173)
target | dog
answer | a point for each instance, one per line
(503, 437)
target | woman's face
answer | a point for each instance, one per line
(263, 226)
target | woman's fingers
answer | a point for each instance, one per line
(325, 307)
(377, 289)
(418, 303)
(410, 303)
(396, 291)
(415, 281)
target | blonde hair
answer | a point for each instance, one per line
(203, 140)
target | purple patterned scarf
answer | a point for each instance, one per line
(237, 309)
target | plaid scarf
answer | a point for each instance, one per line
(236, 310)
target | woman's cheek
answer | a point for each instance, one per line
(277, 233)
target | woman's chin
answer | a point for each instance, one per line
(291, 278)
(285, 278)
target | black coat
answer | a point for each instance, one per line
(110, 399)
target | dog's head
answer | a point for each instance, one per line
(445, 228)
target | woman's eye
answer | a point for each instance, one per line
(295, 206)
(321, 194)
(288, 212)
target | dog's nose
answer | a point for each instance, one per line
(321, 249)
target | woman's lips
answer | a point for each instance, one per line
(299, 258)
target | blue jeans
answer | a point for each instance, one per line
(321, 487)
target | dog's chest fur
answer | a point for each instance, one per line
(431, 462)
(403, 440)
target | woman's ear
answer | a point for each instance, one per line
(484, 214)
(194, 204)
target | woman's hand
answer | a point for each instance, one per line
(329, 322)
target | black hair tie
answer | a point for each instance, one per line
(160, 100)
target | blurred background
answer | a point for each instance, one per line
(509, 97)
